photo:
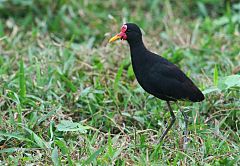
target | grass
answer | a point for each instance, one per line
(69, 98)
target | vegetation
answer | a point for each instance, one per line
(67, 97)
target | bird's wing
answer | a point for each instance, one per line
(167, 79)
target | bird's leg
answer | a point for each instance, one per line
(185, 139)
(173, 118)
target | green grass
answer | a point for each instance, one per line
(69, 98)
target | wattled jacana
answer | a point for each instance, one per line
(157, 75)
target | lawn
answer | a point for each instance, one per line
(68, 97)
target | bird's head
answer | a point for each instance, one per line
(130, 32)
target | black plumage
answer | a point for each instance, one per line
(157, 75)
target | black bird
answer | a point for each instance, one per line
(157, 75)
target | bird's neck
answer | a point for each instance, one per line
(136, 44)
(139, 58)
(137, 48)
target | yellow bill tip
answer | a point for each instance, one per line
(114, 38)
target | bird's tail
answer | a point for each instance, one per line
(197, 96)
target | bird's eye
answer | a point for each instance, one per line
(124, 28)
